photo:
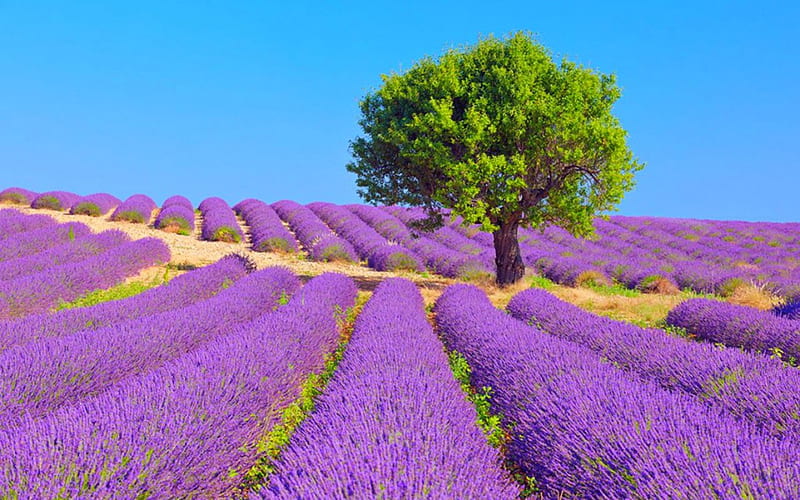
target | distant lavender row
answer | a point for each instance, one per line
(17, 196)
(317, 238)
(751, 387)
(188, 428)
(266, 230)
(42, 376)
(392, 422)
(95, 204)
(439, 258)
(219, 221)
(583, 428)
(370, 245)
(179, 292)
(738, 326)
(70, 250)
(55, 200)
(137, 208)
(38, 240)
(41, 291)
(445, 235)
(176, 215)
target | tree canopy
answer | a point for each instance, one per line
(500, 134)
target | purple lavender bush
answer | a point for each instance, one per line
(789, 310)
(55, 200)
(583, 428)
(182, 291)
(438, 257)
(95, 204)
(13, 222)
(219, 221)
(392, 422)
(176, 216)
(70, 250)
(738, 326)
(186, 429)
(37, 240)
(267, 232)
(177, 200)
(368, 243)
(748, 386)
(17, 196)
(41, 291)
(319, 241)
(40, 377)
(137, 208)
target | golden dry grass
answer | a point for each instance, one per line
(753, 296)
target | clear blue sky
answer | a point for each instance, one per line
(259, 99)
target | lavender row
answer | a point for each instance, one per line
(95, 204)
(55, 200)
(71, 250)
(137, 208)
(267, 232)
(219, 221)
(41, 291)
(445, 235)
(179, 292)
(392, 422)
(42, 376)
(13, 222)
(188, 428)
(370, 245)
(439, 258)
(583, 428)
(37, 240)
(317, 238)
(17, 196)
(750, 387)
(738, 326)
(176, 215)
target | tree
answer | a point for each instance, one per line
(499, 134)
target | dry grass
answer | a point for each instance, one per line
(647, 309)
(753, 296)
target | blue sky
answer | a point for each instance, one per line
(259, 99)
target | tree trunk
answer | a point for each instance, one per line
(510, 267)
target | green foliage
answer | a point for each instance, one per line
(499, 133)
(541, 282)
(121, 291)
(614, 289)
(276, 244)
(49, 202)
(14, 198)
(488, 422)
(729, 286)
(226, 234)
(675, 330)
(118, 292)
(276, 439)
(130, 216)
(177, 224)
(87, 208)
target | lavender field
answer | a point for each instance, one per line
(238, 380)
